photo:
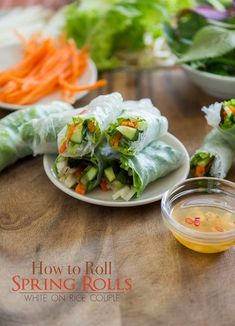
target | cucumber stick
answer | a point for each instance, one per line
(127, 132)
(91, 173)
(110, 175)
(77, 134)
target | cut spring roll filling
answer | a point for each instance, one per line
(126, 131)
(227, 114)
(78, 132)
(201, 164)
(78, 174)
(120, 180)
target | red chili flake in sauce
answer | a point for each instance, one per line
(197, 221)
(219, 229)
(189, 220)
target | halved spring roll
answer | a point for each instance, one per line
(138, 126)
(214, 158)
(12, 147)
(86, 132)
(129, 176)
(222, 117)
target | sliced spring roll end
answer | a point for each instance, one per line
(201, 163)
(77, 132)
(227, 114)
(125, 131)
(78, 174)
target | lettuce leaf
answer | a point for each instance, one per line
(210, 42)
(111, 27)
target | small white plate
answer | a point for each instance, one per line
(10, 55)
(152, 193)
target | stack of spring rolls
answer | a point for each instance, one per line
(115, 145)
(108, 143)
(215, 156)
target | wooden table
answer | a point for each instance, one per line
(171, 284)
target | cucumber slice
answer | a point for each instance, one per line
(204, 162)
(116, 185)
(91, 173)
(73, 148)
(77, 134)
(127, 132)
(110, 175)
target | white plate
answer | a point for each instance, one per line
(10, 55)
(153, 192)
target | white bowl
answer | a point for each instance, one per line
(215, 85)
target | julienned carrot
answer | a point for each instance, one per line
(74, 88)
(49, 65)
(62, 148)
(80, 188)
(131, 124)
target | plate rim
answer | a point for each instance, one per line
(137, 202)
(94, 75)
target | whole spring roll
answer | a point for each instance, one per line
(222, 117)
(138, 126)
(81, 174)
(214, 158)
(86, 132)
(128, 176)
(12, 147)
(41, 134)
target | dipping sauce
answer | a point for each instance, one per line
(204, 218)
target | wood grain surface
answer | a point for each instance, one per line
(171, 284)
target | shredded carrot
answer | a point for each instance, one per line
(232, 108)
(91, 126)
(70, 131)
(116, 139)
(80, 188)
(200, 171)
(104, 185)
(63, 148)
(48, 65)
(131, 124)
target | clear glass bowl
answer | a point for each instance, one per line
(202, 192)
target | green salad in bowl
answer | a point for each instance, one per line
(203, 39)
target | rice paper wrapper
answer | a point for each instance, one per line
(157, 125)
(104, 109)
(18, 118)
(12, 147)
(153, 162)
(215, 144)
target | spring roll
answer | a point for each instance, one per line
(214, 158)
(86, 132)
(18, 118)
(222, 117)
(128, 176)
(138, 126)
(12, 147)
